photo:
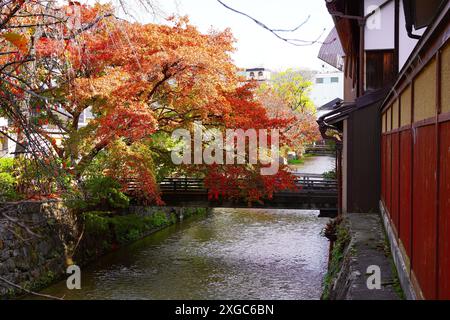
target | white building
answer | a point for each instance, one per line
(8, 146)
(327, 86)
(258, 74)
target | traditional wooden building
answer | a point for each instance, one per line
(394, 129)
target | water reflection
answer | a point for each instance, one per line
(232, 254)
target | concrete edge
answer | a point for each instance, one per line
(402, 271)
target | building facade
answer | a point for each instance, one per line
(327, 86)
(393, 128)
(8, 144)
(258, 74)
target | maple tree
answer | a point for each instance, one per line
(140, 82)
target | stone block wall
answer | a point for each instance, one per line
(38, 240)
(35, 242)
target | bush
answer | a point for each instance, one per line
(97, 192)
(7, 181)
(330, 174)
(105, 192)
(132, 227)
(6, 165)
(96, 222)
(126, 228)
(7, 187)
(296, 161)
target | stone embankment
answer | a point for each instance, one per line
(38, 240)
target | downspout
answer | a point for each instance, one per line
(362, 24)
(407, 8)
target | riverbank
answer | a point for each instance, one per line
(40, 239)
(243, 254)
(361, 243)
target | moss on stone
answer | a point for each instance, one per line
(129, 228)
(395, 279)
(336, 258)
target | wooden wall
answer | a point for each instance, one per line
(415, 161)
(363, 154)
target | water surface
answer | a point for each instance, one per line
(230, 254)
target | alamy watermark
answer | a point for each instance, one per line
(74, 280)
(211, 147)
(374, 277)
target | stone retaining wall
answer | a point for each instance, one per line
(35, 260)
(32, 261)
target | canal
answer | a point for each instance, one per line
(230, 254)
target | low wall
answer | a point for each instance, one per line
(38, 240)
(399, 260)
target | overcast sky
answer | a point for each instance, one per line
(256, 46)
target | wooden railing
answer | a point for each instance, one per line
(303, 182)
(319, 149)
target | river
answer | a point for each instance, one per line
(230, 254)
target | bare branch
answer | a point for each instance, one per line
(12, 284)
(292, 41)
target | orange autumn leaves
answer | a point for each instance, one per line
(141, 80)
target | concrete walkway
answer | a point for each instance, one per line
(368, 247)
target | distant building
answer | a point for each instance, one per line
(327, 86)
(8, 146)
(258, 74)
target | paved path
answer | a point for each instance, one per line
(368, 247)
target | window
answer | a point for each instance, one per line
(260, 74)
(319, 80)
(252, 74)
(334, 79)
(379, 68)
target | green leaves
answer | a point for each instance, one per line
(294, 89)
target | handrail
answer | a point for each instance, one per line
(197, 184)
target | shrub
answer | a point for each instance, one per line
(126, 228)
(132, 227)
(7, 181)
(296, 161)
(6, 165)
(106, 192)
(34, 179)
(330, 174)
(96, 222)
(97, 192)
(7, 187)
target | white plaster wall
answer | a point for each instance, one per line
(406, 44)
(322, 93)
(380, 27)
